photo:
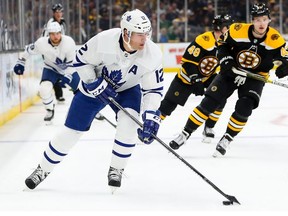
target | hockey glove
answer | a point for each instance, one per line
(240, 78)
(226, 64)
(20, 66)
(282, 70)
(72, 80)
(102, 90)
(151, 123)
(197, 86)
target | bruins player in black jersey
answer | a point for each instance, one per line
(252, 47)
(198, 69)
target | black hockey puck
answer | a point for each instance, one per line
(227, 203)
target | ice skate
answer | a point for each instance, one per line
(222, 146)
(114, 178)
(60, 100)
(179, 140)
(49, 116)
(208, 135)
(36, 178)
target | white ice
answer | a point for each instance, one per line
(254, 170)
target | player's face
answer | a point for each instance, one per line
(224, 29)
(58, 15)
(138, 40)
(55, 37)
(261, 24)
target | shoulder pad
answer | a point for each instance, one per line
(239, 30)
(206, 40)
(274, 39)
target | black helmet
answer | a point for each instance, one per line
(57, 7)
(259, 9)
(221, 21)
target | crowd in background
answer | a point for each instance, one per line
(85, 18)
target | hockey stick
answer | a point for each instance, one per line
(263, 79)
(231, 199)
(106, 119)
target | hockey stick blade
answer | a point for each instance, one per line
(232, 199)
(229, 197)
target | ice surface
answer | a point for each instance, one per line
(254, 170)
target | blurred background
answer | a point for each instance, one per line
(173, 21)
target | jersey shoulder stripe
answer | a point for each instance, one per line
(206, 40)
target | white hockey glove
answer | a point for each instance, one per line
(240, 78)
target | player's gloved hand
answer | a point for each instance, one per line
(197, 86)
(226, 64)
(282, 70)
(102, 90)
(20, 66)
(72, 80)
(240, 78)
(151, 123)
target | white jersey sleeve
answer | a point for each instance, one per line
(87, 59)
(152, 83)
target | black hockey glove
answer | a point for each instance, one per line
(226, 64)
(197, 86)
(240, 76)
(19, 68)
(282, 70)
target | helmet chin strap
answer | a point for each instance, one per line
(128, 42)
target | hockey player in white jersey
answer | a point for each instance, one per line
(58, 52)
(123, 64)
(57, 10)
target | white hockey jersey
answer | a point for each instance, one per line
(58, 58)
(102, 55)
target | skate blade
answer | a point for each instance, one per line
(113, 189)
(207, 140)
(26, 189)
(217, 154)
(60, 102)
(47, 123)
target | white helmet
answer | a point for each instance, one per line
(135, 21)
(53, 27)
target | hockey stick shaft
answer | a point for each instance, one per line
(263, 79)
(106, 119)
(230, 198)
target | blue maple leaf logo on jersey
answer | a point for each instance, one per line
(114, 77)
(62, 64)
